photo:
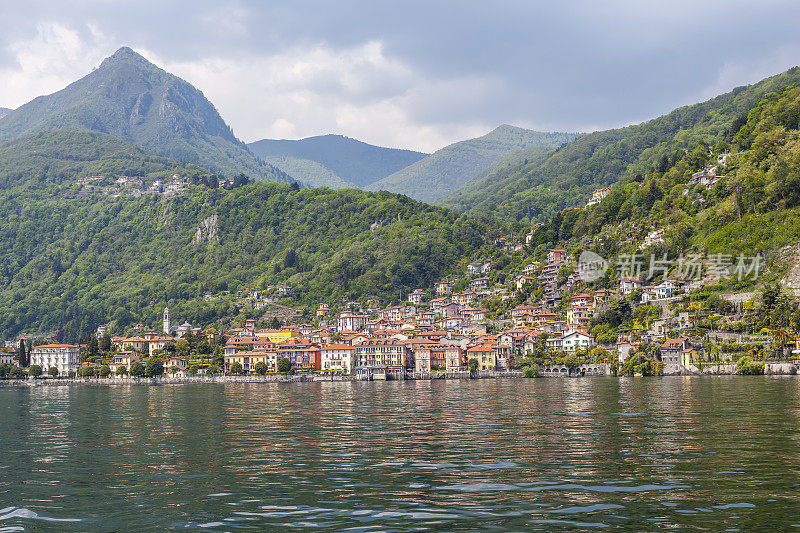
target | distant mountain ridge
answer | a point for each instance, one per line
(4, 111)
(454, 166)
(334, 160)
(135, 101)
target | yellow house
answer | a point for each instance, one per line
(125, 359)
(690, 356)
(486, 356)
(212, 335)
(250, 359)
(580, 314)
(277, 336)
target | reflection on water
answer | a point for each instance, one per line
(713, 453)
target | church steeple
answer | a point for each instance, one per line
(166, 320)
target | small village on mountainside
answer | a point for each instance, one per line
(545, 320)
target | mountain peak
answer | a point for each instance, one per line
(125, 51)
(126, 55)
(134, 100)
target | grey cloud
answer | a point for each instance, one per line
(556, 65)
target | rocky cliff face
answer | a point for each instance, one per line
(207, 230)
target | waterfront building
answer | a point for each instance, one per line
(64, 357)
(338, 358)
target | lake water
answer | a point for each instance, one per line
(717, 453)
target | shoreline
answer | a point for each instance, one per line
(773, 369)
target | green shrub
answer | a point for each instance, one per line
(747, 367)
(531, 371)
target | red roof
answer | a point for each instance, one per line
(56, 346)
(338, 347)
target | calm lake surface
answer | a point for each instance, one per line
(715, 453)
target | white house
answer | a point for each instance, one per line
(352, 322)
(665, 289)
(648, 295)
(416, 296)
(64, 357)
(338, 358)
(576, 341)
(628, 284)
(623, 351)
(523, 280)
(654, 237)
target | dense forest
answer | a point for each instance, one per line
(752, 207)
(458, 164)
(76, 258)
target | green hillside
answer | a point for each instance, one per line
(63, 156)
(537, 187)
(308, 172)
(131, 99)
(753, 207)
(456, 165)
(75, 259)
(333, 160)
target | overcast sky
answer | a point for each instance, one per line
(411, 74)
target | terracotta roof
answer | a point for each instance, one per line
(56, 346)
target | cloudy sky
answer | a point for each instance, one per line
(412, 74)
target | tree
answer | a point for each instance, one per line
(53, 372)
(105, 371)
(35, 371)
(92, 347)
(260, 368)
(86, 372)
(472, 364)
(170, 348)
(747, 367)
(212, 370)
(71, 374)
(122, 370)
(192, 370)
(531, 371)
(571, 361)
(183, 347)
(219, 357)
(237, 369)
(16, 373)
(290, 259)
(154, 368)
(284, 366)
(275, 323)
(137, 370)
(105, 343)
(22, 354)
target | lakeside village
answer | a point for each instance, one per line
(553, 324)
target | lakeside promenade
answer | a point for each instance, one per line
(775, 368)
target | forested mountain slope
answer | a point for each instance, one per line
(78, 257)
(452, 167)
(333, 160)
(538, 187)
(746, 202)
